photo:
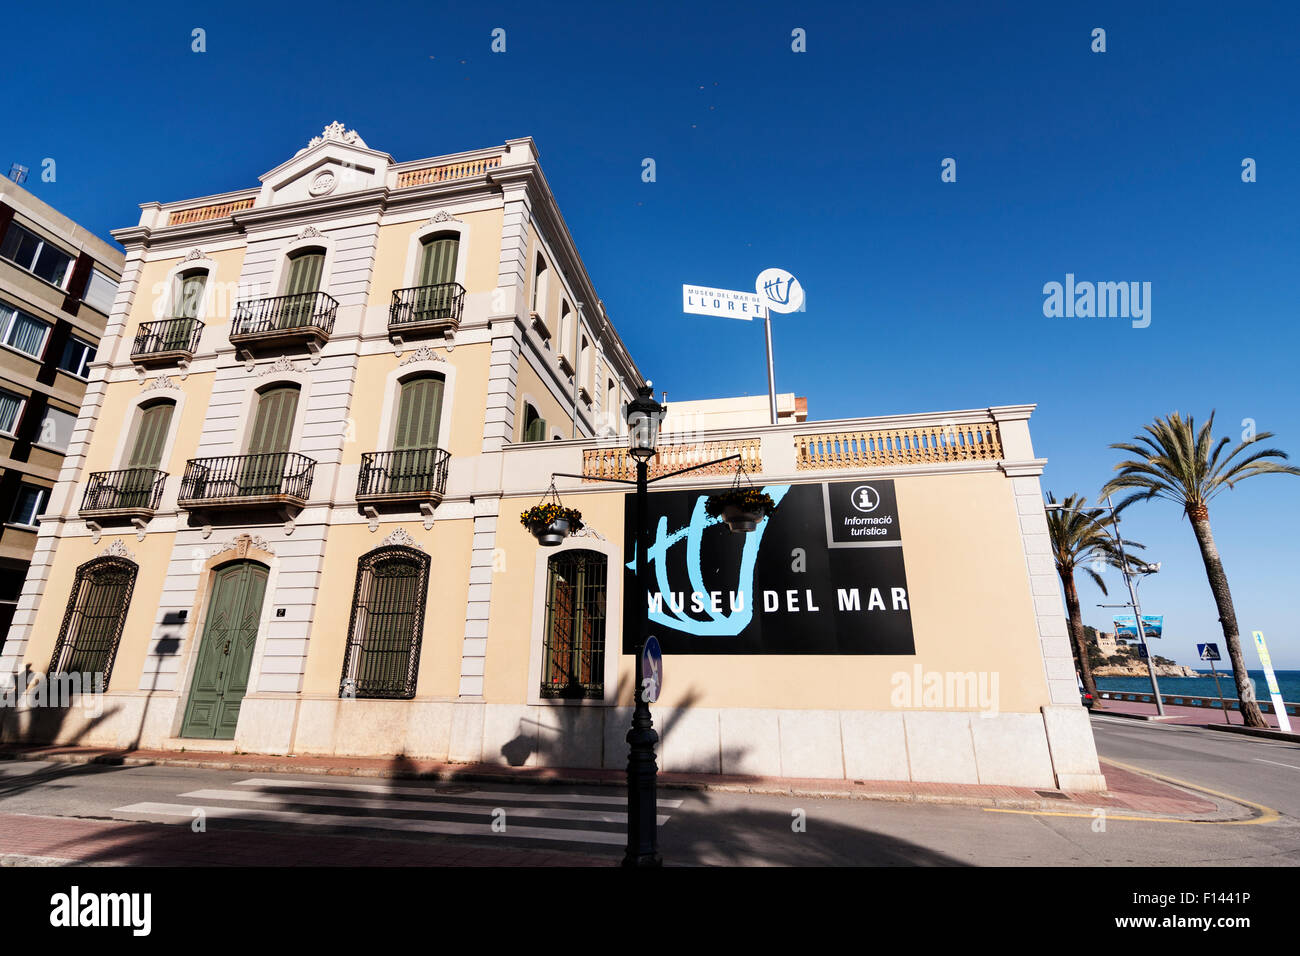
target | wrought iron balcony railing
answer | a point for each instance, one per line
(166, 340)
(307, 315)
(412, 473)
(426, 308)
(129, 492)
(239, 480)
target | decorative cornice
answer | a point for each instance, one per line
(117, 550)
(401, 538)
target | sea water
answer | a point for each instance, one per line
(1287, 681)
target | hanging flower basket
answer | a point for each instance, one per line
(550, 522)
(741, 508)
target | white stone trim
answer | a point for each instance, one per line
(392, 391)
(432, 228)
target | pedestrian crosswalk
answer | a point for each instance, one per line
(459, 811)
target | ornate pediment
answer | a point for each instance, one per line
(117, 550)
(282, 364)
(401, 538)
(162, 381)
(242, 545)
(336, 132)
(423, 354)
(311, 232)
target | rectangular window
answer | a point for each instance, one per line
(100, 292)
(11, 412)
(77, 356)
(56, 430)
(574, 661)
(30, 505)
(23, 332)
(29, 251)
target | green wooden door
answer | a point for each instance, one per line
(415, 444)
(437, 269)
(304, 278)
(146, 454)
(268, 443)
(225, 652)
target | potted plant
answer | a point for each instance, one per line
(741, 508)
(550, 522)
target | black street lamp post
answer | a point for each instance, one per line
(643, 417)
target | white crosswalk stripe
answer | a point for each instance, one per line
(331, 803)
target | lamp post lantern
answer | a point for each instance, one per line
(643, 417)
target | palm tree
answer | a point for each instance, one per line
(1175, 460)
(1081, 538)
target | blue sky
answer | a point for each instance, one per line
(922, 295)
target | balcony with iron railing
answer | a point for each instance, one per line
(242, 481)
(166, 341)
(306, 317)
(126, 494)
(416, 475)
(426, 309)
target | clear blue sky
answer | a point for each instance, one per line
(923, 295)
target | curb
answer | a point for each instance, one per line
(1266, 733)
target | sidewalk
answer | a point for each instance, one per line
(1127, 791)
(1177, 714)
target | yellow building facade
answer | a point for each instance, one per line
(288, 521)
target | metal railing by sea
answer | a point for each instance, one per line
(1188, 700)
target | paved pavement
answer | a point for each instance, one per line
(60, 810)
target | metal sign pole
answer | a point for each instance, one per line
(1219, 690)
(771, 370)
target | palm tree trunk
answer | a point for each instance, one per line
(1077, 638)
(1200, 519)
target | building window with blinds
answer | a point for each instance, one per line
(11, 412)
(534, 425)
(23, 332)
(573, 666)
(92, 624)
(383, 650)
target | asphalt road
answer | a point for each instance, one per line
(708, 828)
(1260, 770)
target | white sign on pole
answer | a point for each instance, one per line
(701, 300)
(779, 291)
(1274, 691)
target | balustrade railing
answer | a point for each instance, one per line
(912, 445)
(129, 489)
(234, 478)
(406, 473)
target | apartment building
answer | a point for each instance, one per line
(289, 519)
(57, 284)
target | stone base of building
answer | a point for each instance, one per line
(1050, 749)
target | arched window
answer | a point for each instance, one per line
(573, 664)
(303, 282)
(139, 477)
(534, 424)
(438, 258)
(584, 364)
(187, 293)
(566, 330)
(92, 624)
(383, 650)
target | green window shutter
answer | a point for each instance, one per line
(189, 294)
(418, 413)
(439, 262)
(273, 425)
(151, 435)
(304, 273)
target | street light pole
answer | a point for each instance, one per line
(1137, 608)
(642, 798)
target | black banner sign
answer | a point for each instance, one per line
(823, 574)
